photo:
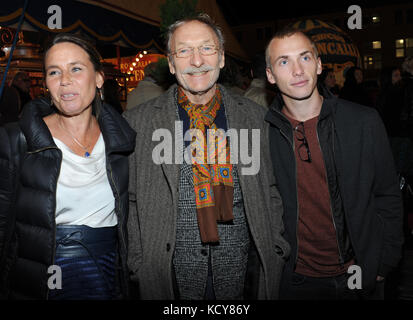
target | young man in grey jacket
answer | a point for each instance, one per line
(198, 228)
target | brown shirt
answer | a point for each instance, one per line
(318, 254)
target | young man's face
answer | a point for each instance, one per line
(196, 74)
(294, 66)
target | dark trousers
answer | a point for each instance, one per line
(328, 288)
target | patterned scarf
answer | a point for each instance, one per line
(213, 182)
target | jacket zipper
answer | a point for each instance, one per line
(296, 193)
(54, 220)
(331, 208)
(117, 210)
(40, 150)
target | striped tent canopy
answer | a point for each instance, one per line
(128, 23)
(97, 22)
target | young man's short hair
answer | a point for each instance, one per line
(287, 31)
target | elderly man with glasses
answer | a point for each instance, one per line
(202, 229)
(336, 175)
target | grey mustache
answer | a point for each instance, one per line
(195, 70)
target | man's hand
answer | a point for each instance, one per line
(379, 278)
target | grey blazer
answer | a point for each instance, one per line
(153, 196)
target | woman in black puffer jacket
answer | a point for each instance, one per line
(64, 186)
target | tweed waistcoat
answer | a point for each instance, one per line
(228, 258)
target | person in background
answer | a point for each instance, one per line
(353, 89)
(21, 82)
(337, 179)
(147, 89)
(197, 229)
(257, 91)
(63, 186)
(328, 79)
(407, 113)
(390, 100)
(9, 105)
(14, 97)
(231, 77)
(111, 94)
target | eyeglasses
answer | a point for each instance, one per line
(205, 50)
(300, 133)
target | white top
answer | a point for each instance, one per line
(84, 195)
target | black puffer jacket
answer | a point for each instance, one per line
(29, 168)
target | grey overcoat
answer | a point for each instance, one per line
(153, 196)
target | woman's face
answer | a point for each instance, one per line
(71, 78)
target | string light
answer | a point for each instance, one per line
(137, 59)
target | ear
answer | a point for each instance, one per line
(171, 65)
(222, 61)
(319, 66)
(99, 79)
(270, 76)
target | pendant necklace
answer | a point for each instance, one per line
(87, 154)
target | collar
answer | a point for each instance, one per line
(206, 111)
(277, 118)
(118, 136)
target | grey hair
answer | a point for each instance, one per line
(203, 18)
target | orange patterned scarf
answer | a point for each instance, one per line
(213, 182)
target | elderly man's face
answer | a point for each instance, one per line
(197, 74)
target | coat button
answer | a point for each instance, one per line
(168, 247)
(279, 250)
(204, 252)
